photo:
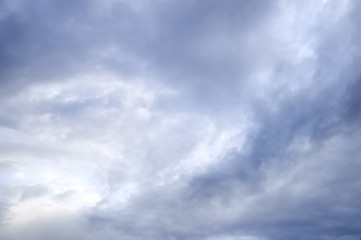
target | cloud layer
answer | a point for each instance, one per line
(201, 120)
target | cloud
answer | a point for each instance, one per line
(179, 120)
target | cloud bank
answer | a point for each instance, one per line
(170, 120)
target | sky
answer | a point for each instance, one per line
(180, 120)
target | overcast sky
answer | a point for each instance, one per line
(180, 120)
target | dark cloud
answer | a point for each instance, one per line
(353, 101)
(178, 42)
(47, 41)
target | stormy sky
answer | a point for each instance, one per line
(180, 119)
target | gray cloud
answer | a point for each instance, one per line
(179, 120)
